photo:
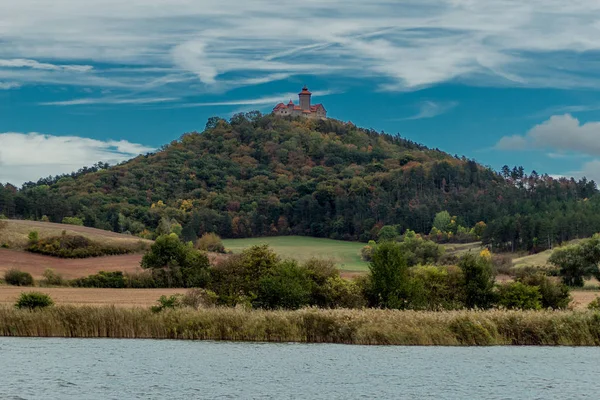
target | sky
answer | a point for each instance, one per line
(500, 81)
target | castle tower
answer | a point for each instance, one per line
(304, 96)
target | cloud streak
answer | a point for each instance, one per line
(30, 156)
(405, 45)
(431, 109)
(110, 100)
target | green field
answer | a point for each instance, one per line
(345, 254)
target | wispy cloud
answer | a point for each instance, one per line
(271, 100)
(431, 109)
(109, 100)
(24, 63)
(30, 156)
(9, 85)
(406, 44)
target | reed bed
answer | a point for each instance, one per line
(370, 327)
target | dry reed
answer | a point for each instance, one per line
(374, 327)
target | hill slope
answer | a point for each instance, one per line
(262, 175)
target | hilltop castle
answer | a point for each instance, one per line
(305, 109)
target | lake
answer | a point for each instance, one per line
(38, 368)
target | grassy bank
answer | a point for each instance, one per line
(375, 327)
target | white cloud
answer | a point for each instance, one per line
(24, 63)
(9, 85)
(109, 100)
(28, 157)
(430, 109)
(406, 44)
(561, 132)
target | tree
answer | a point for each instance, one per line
(285, 286)
(390, 282)
(479, 280)
(442, 221)
(210, 242)
(578, 261)
(516, 295)
(179, 264)
(387, 233)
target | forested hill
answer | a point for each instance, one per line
(262, 175)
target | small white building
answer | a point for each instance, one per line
(304, 109)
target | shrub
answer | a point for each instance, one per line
(73, 246)
(517, 295)
(210, 242)
(164, 303)
(199, 298)
(594, 304)
(441, 287)
(103, 279)
(33, 236)
(366, 253)
(72, 221)
(18, 278)
(417, 250)
(342, 293)
(33, 300)
(502, 264)
(554, 294)
(51, 278)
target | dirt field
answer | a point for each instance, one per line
(86, 296)
(36, 264)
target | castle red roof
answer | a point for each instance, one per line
(304, 91)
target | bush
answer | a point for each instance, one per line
(199, 298)
(33, 236)
(72, 221)
(502, 264)
(51, 278)
(103, 279)
(33, 300)
(73, 246)
(594, 304)
(517, 295)
(18, 278)
(342, 293)
(210, 242)
(440, 287)
(417, 250)
(554, 294)
(164, 303)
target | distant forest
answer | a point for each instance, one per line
(260, 175)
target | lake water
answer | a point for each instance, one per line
(33, 368)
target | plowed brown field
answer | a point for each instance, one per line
(35, 264)
(87, 296)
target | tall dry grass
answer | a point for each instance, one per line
(375, 327)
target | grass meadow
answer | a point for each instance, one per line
(345, 254)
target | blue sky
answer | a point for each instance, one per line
(500, 81)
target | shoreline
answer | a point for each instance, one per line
(360, 327)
